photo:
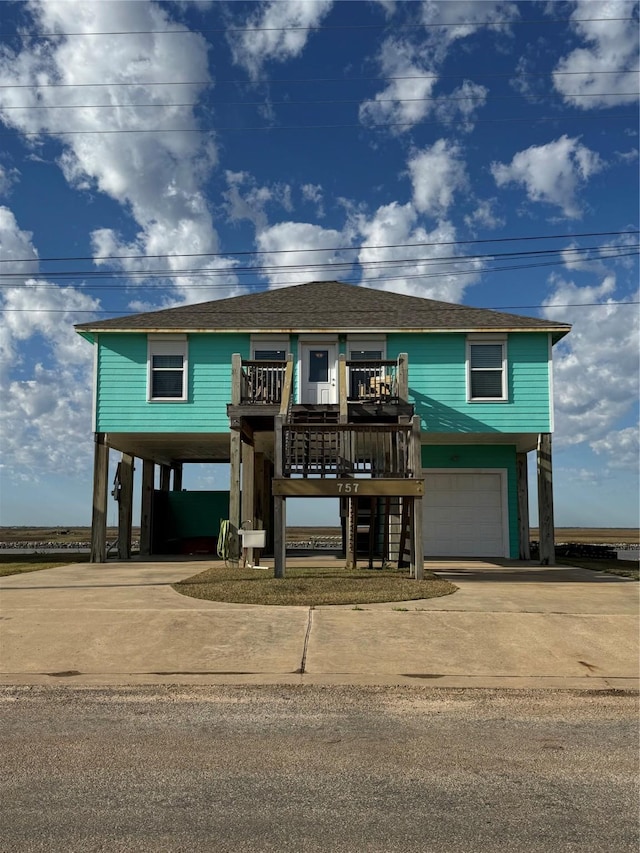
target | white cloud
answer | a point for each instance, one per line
(461, 105)
(45, 417)
(391, 263)
(596, 365)
(462, 18)
(313, 193)
(415, 62)
(246, 200)
(551, 173)
(621, 448)
(284, 241)
(437, 172)
(402, 101)
(275, 31)
(612, 47)
(157, 178)
(8, 177)
(484, 215)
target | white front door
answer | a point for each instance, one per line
(318, 377)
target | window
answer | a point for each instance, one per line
(270, 355)
(319, 365)
(167, 369)
(269, 349)
(486, 370)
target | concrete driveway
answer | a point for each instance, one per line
(512, 625)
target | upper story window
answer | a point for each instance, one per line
(167, 360)
(486, 369)
(269, 349)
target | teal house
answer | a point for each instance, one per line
(417, 414)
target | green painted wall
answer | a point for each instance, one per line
(461, 456)
(122, 385)
(194, 514)
(437, 384)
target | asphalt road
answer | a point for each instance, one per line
(310, 768)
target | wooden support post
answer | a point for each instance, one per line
(146, 506)
(279, 506)
(545, 501)
(125, 507)
(268, 505)
(260, 500)
(417, 546)
(234, 494)
(165, 477)
(236, 379)
(403, 377)
(248, 486)
(342, 389)
(522, 476)
(99, 513)
(177, 477)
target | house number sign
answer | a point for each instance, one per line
(327, 487)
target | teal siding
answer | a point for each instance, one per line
(122, 385)
(461, 456)
(437, 384)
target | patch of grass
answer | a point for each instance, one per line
(621, 568)
(17, 564)
(310, 587)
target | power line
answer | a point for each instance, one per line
(279, 127)
(378, 279)
(420, 244)
(487, 308)
(441, 98)
(605, 253)
(274, 81)
(320, 28)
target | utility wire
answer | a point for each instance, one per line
(486, 308)
(269, 128)
(322, 28)
(441, 98)
(420, 244)
(406, 277)
(604, 253)
(274, 81)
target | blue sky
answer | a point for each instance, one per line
(154, 148)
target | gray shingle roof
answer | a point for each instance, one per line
(321, 306)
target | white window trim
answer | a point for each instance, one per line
(179, 346)
(482, 339)
(258, 342)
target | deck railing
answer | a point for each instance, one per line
(335, 450)
(377, 380)
(261, 382)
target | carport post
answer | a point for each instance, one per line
(522, 477)
(546, 526)
(99, 513)
(146, 506)
(279, 506)
(125, 507)
(177, 477)
(234, 493)
(417, 546)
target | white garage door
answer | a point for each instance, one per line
(464, 515)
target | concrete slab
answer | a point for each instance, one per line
(433, 644)
(507, 625)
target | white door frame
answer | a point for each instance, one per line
(318, 393)
(504, 494)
